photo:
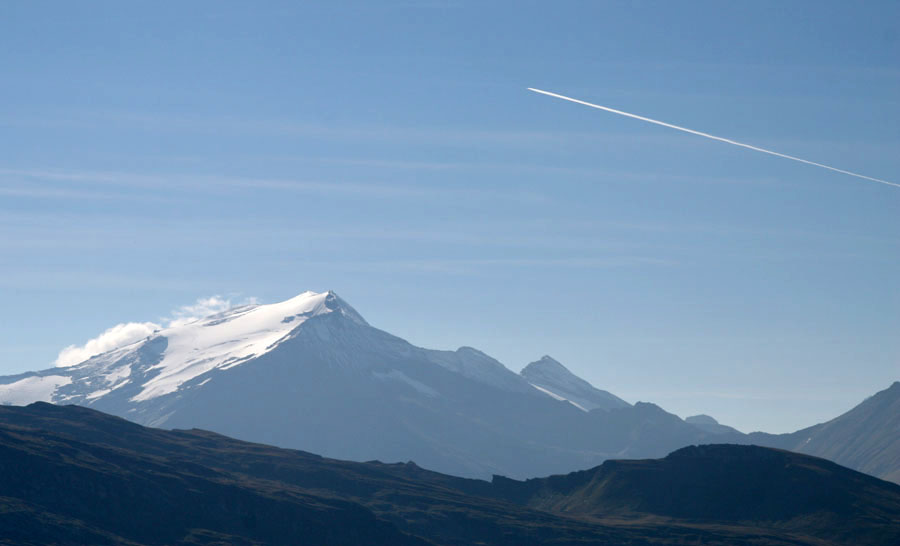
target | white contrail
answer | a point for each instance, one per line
(720, 139)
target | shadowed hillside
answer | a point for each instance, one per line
(73, 475)
(727, 483)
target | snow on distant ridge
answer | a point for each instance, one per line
(555, 396)
(550, 377)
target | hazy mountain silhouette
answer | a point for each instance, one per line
(866, 438)
(709, 424)
(311, 373)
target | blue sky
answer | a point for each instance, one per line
(154, 153)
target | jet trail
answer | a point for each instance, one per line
(713, 137)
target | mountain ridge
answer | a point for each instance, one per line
(313, 374)
(866, 438)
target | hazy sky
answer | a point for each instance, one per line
(154, 153)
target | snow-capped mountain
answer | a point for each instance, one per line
(554, 379)
(310, 373)
(176, 359)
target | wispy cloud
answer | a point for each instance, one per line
(477, 265)
(474, 137)
(24, 229)
(32, 191)
(113, 338)
(203, 307)
(442, 135)
(124, 334)
(74, 181)
(523, 167)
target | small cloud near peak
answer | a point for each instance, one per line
(119, 335)
(127, 333)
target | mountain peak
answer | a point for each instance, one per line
(546, 365)
(709, 424)
(337, 304)
(303, 306)
(549, 362)
(701, 419)
(549, 376)
(183, 354)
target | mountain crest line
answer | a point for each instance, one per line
(713, 137)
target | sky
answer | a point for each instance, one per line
(158, 155)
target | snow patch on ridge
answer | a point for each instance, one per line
(550, 377)
(230, 338)
(557, 397)
(32, 389)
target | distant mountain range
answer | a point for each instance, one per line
(72, 475)
(310, 373)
